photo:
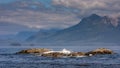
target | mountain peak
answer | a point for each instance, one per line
(94, 16)
(97, 20)
(93, 20)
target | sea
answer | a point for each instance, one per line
(8, 58)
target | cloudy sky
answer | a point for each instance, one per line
(92, 6)
(53, 13)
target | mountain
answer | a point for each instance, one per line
(93, 28)
(23, 35)
(43, 33)
(12, 28)
(19, 37)
(15, 32)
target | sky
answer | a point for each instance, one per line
(48, 14)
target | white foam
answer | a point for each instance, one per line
(65, 51)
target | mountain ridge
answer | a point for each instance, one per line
(92, 28)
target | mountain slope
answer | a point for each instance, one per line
(42, 34)
(23, 35)
(92, 28)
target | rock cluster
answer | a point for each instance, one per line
(65, 53)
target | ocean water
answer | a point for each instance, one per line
(8, 58)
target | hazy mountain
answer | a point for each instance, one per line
(94, 28)
(19, 37)
(42, 34)
(7, 28)
(13, 31)
(23, 35)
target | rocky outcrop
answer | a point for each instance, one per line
(99, 51)
(34, 50)
(65, 53)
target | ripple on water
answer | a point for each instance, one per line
(9, 60)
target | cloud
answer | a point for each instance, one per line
(92, 6)
(36, 19)
(55, 13)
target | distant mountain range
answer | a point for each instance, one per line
(93, 28)
(29, 35)
(19, 37)
(23, 35)
(42, 34)
(13, 27)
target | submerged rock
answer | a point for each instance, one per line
(34, 50)
(99, 51)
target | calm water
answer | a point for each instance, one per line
(10, 60)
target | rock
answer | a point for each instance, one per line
(99, 51)
(54, 54)
(64, 53)
(34, 50)
(15, 44)
(58, 54)
(77, 54)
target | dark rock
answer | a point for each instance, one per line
(15, 44)
(99, 51)
(54, 54)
